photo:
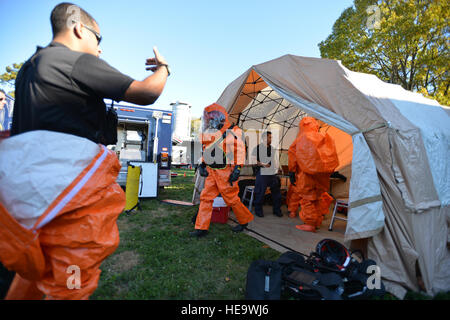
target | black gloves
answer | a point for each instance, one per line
(292, 178)
(202, 170)
(235, 174)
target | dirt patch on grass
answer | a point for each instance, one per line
(124, 225)
(164, 212)
(123, 261)
(160, 212)
(145, 227)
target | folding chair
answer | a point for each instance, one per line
(250, 190)
(340, 203)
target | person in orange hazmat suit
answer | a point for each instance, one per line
(61, 89)
(293, 195)
(57, 253)
(309, 172)
(223, 157)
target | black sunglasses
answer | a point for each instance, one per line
(96, 34)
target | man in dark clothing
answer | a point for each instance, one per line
(266, 170)
(61, 88)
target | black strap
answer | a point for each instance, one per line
(130, 211)
(280, 244)
(315, 281)
(224, 135)
(141, 178)
(218, 141)
(267, 285)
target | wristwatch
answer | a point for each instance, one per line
(167, 67)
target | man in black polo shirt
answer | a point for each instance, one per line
(61, 88)
(266, 170)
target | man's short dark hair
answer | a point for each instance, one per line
(265, 133)
(66, 14)
(3, 91)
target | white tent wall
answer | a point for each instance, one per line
(433, 247)
(434, 127)
(410, 156)
(407, 239)
(419, 138)
(415, 222)
(365, 196)
(436, 139)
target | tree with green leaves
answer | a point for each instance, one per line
(8, 78)
(405, 42)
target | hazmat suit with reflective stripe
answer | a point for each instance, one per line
(58, 212)
(223, 150)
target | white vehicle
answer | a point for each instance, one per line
(179, 156)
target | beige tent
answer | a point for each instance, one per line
(396, 142)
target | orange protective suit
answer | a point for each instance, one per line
(229, 143)
(77, 229)
(315, 159)
(293, 195)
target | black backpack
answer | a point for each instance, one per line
(357, 279)
(332, 259)
(332, 255)
(329, 273)
(263, 281)
(302, 280)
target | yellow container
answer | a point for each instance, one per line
(132, 187)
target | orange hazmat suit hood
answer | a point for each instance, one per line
(214, 114)
(308, 124)
(315, 151)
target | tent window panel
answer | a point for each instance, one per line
(269, 108)
(266, 109)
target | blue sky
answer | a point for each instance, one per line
(208, 44)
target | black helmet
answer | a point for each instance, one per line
(333, 254)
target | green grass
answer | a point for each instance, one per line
(156, 258)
